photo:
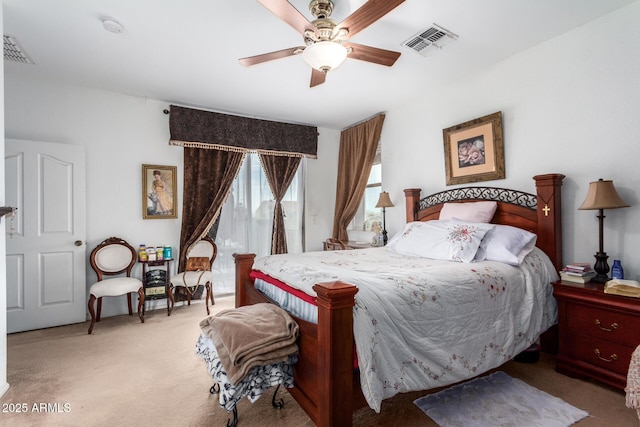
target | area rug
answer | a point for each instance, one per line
(498, 400)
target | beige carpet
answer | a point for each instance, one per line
(128, 373)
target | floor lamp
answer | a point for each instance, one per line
(602, 195)
(384, 202)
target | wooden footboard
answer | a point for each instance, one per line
(325, 385)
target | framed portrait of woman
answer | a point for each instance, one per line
(159, 192)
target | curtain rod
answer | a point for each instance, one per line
(363, 120)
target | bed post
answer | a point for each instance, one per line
(244, 262)
(412, 197)
(335, 354)
(549, 193)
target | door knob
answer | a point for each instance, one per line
(78, 243)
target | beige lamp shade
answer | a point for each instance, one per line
(602, 195)
(384, 201)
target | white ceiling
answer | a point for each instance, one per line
(186, 52)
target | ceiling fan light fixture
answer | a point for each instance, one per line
(325, 55)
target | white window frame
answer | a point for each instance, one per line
(359, 221)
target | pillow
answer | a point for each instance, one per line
(399, 235)
(443, 240)
(470, 211)
(507, 244)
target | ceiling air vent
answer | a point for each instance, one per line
(426, 41)
(13, 52)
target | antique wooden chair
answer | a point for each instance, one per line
(113, 257)
(197, 272)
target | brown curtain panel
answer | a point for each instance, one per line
(280, 171)
(357, 151)
(208, 176)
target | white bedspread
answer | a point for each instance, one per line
(422, 323)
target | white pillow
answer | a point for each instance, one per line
(507, 244)
(443, 240)
(469, 211)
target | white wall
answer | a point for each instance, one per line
(321, 190)
(569, 105)
(119, 133)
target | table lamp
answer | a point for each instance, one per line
(384, 202)
(602, 195)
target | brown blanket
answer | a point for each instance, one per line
(248, 336)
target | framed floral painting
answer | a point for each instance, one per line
(159, 192)
(473, 151)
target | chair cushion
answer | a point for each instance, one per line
(192, 278)
(114, 287)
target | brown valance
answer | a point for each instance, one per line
(217, 131)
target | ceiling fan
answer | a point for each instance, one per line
(326, 45)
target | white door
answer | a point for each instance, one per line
(46, 280)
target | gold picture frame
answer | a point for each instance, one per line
(159, 192)
(474, 151)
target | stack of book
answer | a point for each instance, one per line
(579, 272)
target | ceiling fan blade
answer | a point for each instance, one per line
(289, 14)
(317, 77)
(366, 15)
(372, 54)
(258, 59)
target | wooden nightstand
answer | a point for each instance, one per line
(597, 332)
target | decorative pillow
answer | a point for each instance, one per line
(443, 240)
(400, 234)
(470, 211)
(507, 244)
(198, 263)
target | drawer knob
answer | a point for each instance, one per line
(613, 357)
(612, 328)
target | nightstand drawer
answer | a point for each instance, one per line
(603, 323)
(605, 354)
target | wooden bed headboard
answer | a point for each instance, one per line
(540, 213)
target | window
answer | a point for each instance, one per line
(246, 219)
(368, 216)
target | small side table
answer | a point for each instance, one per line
(152, 293)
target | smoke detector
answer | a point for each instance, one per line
(430, 39)
(111, 25)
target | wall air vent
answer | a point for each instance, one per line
(426, 41)
(13, 52)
